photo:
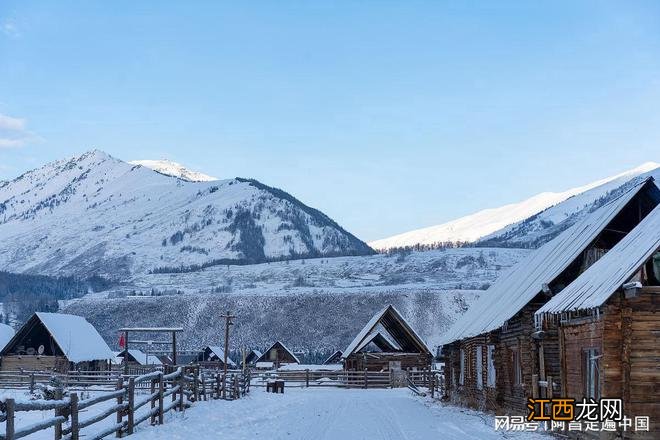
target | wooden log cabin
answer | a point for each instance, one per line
(276, 355)
(494, 351)
(387, 342)
(213, 356)
(251, 358)
(136, 357)
(56, 342)
(609, 327)
(334, 358)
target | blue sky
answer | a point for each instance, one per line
(388, 116)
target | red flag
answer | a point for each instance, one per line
(122, 341)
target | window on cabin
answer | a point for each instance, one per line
(490, 362)
(479, 370)
(655, 263)
(461, 377)
(591, 372)
(516, 367)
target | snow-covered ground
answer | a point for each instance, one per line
(303, 414)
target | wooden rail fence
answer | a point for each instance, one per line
(161, 392)
(347, 379)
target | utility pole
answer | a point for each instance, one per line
(228, 321)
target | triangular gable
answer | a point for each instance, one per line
(73, 336)
(333, 358)
(283, 347)
(515, 289)
(381, 339)
(397, 327)
(253, 355)
(597, 284)
(220, 353)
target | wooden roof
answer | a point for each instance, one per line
(595, 286)
(400, 335)
(516, 288)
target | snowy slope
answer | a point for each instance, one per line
(94, 214)
(173, 169)
(309, 304)
(494, 222)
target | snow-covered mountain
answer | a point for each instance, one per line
(503, 225)
(95, 214)
(174, 169)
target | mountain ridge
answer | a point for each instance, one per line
(492, 222)
(94, 214)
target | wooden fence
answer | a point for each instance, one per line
(162, 392)
(347, 379)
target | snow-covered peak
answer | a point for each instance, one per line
(170, 168)
(95, 214)
(488, 221)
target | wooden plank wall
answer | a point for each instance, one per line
(628, 335)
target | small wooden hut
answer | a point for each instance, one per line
(213, 356)
(609, 327)
(334, 358)
(251, 358)
(276, 355)
(387, 342)
(494, 351)
(136, 357)
(56, 342)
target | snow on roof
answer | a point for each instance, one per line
(595, 285)
(284, 347)
(310, 367)
(336, 353)
(257, 353)
(376, 334)
(142, 359)
(373, 322)
(220, 353)
(513, 290)
(6, 333)
(77, 338)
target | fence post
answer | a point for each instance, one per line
(131, 405)
(196, 384)
(365, 378)
(120, 400)
(307, 377)
(224, 386)
(75, 430)
(535, 386)
(549, 391)
(58, 412)
(31, 382)
(9, 425)
(152, 402)
(182, 383)
(203, 385)
(217, 386)
(161, 391)
(432, 385)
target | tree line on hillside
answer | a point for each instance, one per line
(24, 294)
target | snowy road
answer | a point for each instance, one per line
(317, 414)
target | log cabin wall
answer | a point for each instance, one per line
(627, 334)
(640, 355)
(31, 363)
(473, 393)
(516, 344)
